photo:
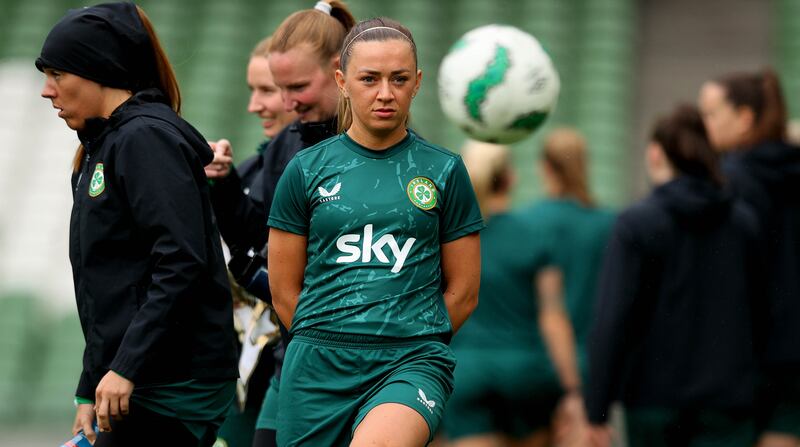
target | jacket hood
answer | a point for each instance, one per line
(774, 164)
(150, 103)
(693, 201)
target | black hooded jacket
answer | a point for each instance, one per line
(768, 178)
(674, 323)
(150, 282)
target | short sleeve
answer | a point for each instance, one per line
(460, 212)
(290, 208)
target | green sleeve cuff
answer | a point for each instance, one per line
(82, 400)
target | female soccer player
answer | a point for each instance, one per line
(303, 57)
(578, 229)
(375, 260)
(745, 114)
(506, 388)
(265, 102)
(674, 321)
(150, 280)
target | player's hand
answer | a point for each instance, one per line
(569, 423)
(112, 399)
(599, 436)
(220, 166)
(84, 417)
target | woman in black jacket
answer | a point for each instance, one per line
(673, 334)
(745, 114)
(150, 283)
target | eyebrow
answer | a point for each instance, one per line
(373, 71)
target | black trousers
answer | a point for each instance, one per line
(143, 427)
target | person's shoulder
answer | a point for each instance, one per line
(313, 152)
(644, 216)
(434, 149)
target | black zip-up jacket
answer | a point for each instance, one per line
(150, 281)
(242, 218)
(675, 313)
(768, 178)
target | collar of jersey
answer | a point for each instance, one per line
(371, 153)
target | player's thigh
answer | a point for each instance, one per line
(391, 425)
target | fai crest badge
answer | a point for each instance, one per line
(422, 193)
(98, 182)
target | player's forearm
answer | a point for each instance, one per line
(557, 334)
(287, 261)
(285, 303)
(461, 268)
(460, 303)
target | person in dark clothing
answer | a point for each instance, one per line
(673, 336)
(303, 56)
(745, 114)
(150, 282)
(253, 320)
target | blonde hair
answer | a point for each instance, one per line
(262, 48)
(489, 168)
(565, 154)
(323, 32)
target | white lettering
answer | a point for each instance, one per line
(366, 251)
(346, 244)
(353, 251)
(401, 255)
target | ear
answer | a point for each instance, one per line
(339, 75)
(746, 118)
(655, 155)
(418, 83)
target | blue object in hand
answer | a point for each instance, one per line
(80, 440)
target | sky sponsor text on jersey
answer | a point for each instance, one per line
(349, 243)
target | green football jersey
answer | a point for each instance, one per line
(375, 222)
(512, 254)
(579, 235)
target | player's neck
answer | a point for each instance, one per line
(376, 142)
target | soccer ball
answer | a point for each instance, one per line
(497, 84)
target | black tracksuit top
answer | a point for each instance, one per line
(768, 178)
(150, 282)
(675, 317)
(243, 217)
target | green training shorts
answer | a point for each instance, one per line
(267, 417)
(512, 392)
(331, 381)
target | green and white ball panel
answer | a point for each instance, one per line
(498, 84)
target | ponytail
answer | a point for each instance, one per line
(761, 93)
(772, 125)
(565, 154)
(489, 168)
(324, 31)
(684, 140)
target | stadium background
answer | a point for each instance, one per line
(621, 62)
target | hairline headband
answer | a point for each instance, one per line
(344, 50)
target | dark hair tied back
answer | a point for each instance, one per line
(684, 140)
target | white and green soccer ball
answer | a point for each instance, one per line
(498, 84)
